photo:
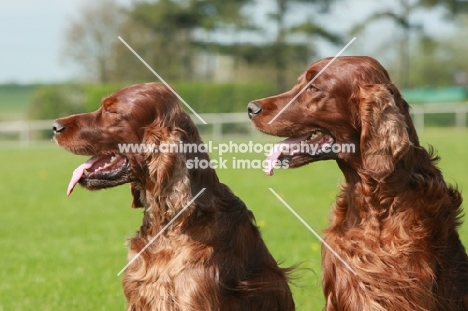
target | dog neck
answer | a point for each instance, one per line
(164, 199)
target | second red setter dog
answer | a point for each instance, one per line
(395, 220)
(212, 257)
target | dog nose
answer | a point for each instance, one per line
(254, 109)
(57, 127)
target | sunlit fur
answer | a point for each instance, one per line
(395, 220)
(212, 257)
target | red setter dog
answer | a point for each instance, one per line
(395, 220)
(211, 257)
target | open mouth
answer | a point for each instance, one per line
(300, 150)
(100, 171)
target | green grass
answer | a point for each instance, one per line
(63, 253)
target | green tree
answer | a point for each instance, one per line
(90, 39)
(401, 13)
(172, 31)
(441, 62)
(453, 7)
(279, 56)
(308, 27)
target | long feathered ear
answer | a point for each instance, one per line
(165, 163)
(384, 132)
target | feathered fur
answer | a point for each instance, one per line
(395, 219)
(212, 257)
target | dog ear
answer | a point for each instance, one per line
(384, 132)
(165, 162)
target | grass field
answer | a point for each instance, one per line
(64, 253)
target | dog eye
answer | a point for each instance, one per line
(312, 89)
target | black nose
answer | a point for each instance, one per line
(57, 127)
(253, 109)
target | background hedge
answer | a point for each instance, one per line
(53, 101)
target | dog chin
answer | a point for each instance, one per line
(304, 159)
(97, 181)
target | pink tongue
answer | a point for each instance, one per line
(278, 149)
(78, 172)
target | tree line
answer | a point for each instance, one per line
(189, 40)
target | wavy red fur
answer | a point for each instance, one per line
(395, 219)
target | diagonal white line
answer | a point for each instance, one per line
(311, 81)
(162, 80)
(161, 231)
(313, 231)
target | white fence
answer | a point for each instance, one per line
(419, 111)
(22, 132)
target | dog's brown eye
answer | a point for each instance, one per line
(312, 89)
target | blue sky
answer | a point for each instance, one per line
(31, 34)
